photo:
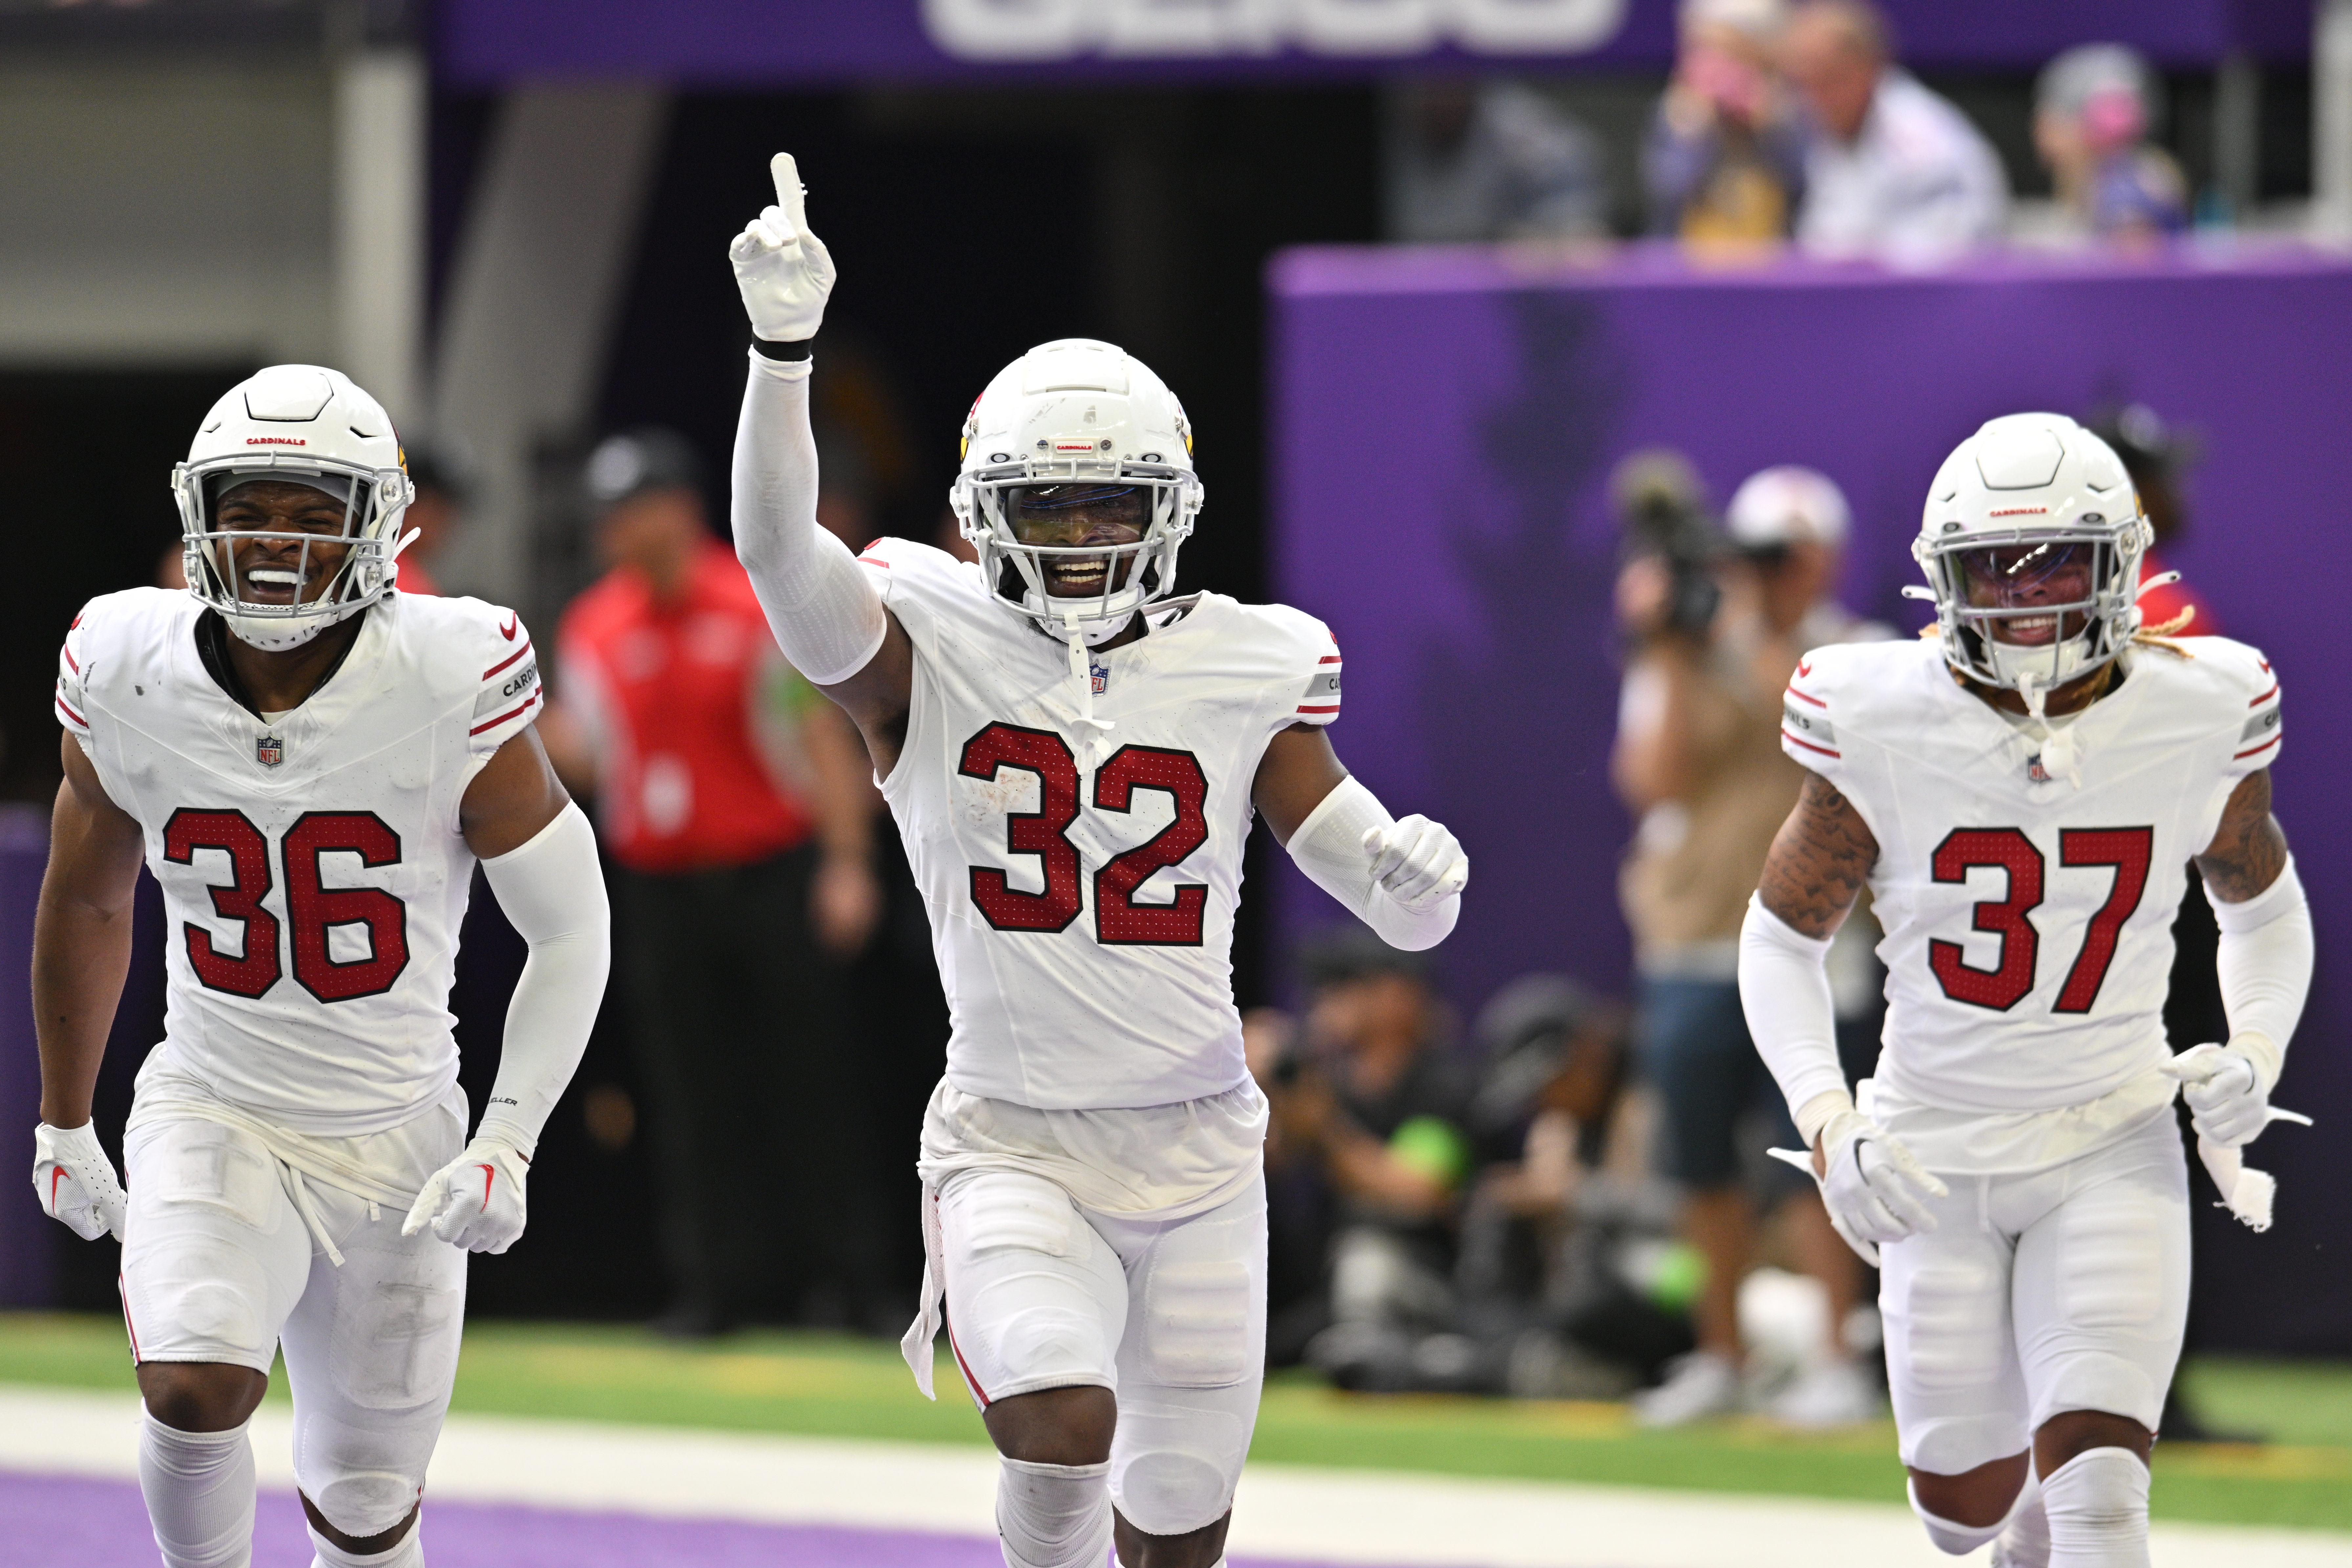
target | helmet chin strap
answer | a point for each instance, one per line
(1079, 641)
(2061, 757)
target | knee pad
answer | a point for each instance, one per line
(1958, 1540)
(2096, 1503)
(1052, 1516)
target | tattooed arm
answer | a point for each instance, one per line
(2248, 850)
(1816, 867)
(2265, 961)
(1819, 860)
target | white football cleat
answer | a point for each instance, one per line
(1832, 1391)
(1697, 1386)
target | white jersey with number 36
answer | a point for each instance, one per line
(2028, 921)
(313, 875)
(1082, 881)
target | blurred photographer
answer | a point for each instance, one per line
(1717, 619)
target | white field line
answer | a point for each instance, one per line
(1284, 1510)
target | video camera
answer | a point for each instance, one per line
(1661, 513)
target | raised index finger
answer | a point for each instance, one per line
(789, 195)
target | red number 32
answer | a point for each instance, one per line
(1119, 921)
(2002, 986)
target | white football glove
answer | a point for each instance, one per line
(476, 1201)
(77, 1181)
(1875, 1191)
(784, 272)
(1417, 863)
(2229, 1099)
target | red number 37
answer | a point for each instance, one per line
(2002, 986)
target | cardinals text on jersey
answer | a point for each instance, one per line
(313, 876)
(2028, 921)
(1081, 881)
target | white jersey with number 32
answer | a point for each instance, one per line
(2028, 922)
(314, 879)
(1081, 881)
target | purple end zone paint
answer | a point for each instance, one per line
(84, 1523)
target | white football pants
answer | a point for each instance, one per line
(219, 1266)
(2064, 1289)
(1167, 1314)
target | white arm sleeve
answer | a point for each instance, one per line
(826, 617)
(2265, 963)
(553, 894)
(1784, 988)
(1329, 848)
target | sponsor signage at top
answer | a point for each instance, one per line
(840, 42)
(1000, 30)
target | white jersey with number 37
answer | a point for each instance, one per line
(313, 875)
(1082, 881)
(2028, 921)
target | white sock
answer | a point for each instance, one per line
(1052, 1516)
(2097, 1507)
(199, 1492)
(2025, 1543)
(409, 1553)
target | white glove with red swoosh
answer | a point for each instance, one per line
(476, 1201)
(77, 1181)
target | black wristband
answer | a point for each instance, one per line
(799, 350)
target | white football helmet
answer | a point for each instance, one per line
(1083, 413)
(304, 425)
(2032, 542)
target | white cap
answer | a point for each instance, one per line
(1781, 506)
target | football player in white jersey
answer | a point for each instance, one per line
(2022, 793)
(310, 764)
(1073, 759)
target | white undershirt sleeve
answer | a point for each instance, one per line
(826, 615)
(1329, 848)
(1784, 988)
(553, 893)
(2265, 963)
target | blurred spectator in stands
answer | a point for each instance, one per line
(1725, 161)
(1376, 1099)
(2094, 108)
(1894, 170)
(438, 472)
(1489, 159)
(1717, 625)
(737, 804)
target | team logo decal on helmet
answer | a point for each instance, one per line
(299, 424)
(2032, 541)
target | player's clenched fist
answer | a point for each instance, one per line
(1875, 1191)
(1417, 863)
(2226, 1087)
(476, 1201)
(784, 272)
(77, 1181)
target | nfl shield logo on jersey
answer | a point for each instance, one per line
(270, 750)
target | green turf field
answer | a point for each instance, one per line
(834, 1387)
